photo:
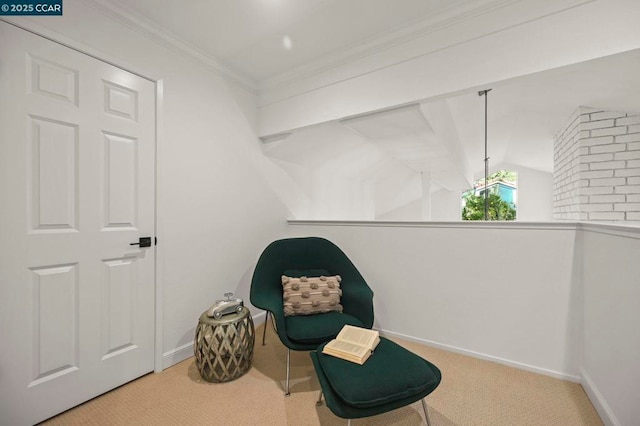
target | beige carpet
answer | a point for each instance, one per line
(472, 392)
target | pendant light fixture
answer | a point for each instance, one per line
(486, 156)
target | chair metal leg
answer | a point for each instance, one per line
(264, 332)
(319, 401)
(288, 368)
(426, 412)
(348, 422)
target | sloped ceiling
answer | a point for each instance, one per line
(405, 135)
(524, 114)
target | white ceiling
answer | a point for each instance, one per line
(266, 39)
(248, 36)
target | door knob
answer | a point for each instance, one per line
(143, 242)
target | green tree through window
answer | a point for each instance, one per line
(498, 208)
(502, 188)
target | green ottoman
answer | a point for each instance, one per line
(391, 378)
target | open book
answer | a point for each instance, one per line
(353, 344)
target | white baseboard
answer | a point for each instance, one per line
(507, 362)
(185, 351)
(177, 355)
(598, 401)
(259, 317)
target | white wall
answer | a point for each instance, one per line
(535, 192)
(505, 292)
(561, 299)
(611, 366)
(409, 211)
(446, 205)
(336, 196)
(216, 211)
(535, 195)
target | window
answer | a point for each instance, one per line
(503, 197)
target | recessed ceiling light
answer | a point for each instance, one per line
(287, 43)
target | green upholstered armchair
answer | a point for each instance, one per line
(309, 256)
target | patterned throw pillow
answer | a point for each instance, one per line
(311, 295)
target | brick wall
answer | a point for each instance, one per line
(597, 167)
(566, 171)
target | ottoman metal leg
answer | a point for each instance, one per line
(288, 368)
(264, 332)
(319, 401)
(426, 412)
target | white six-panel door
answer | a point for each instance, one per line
(77, 186)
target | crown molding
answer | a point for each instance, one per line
(454, 14)
(450, 17)
(121, 13)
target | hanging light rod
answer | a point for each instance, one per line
(486, 155)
